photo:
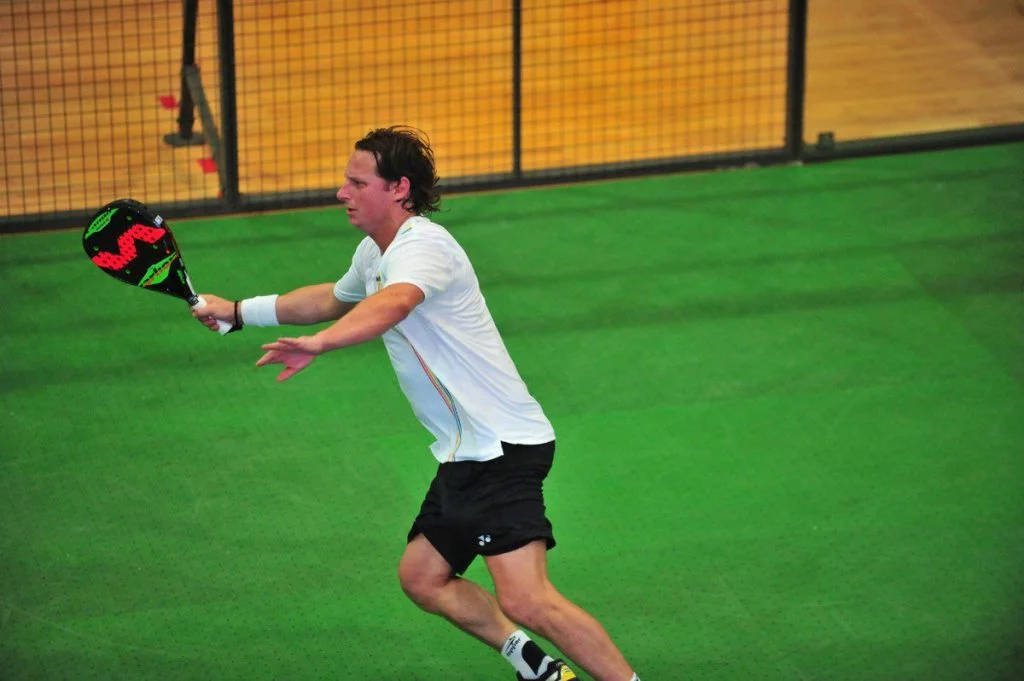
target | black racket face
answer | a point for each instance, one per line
(131, 243)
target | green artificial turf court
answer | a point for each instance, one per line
(790, 410)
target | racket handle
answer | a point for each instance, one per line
(222, 326)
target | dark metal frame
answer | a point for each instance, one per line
(193, 96)
(223, 140)
(184, 135)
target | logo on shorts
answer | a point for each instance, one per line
(483, 539)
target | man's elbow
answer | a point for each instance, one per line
(403, 310)
(404, 300)
(405, 307)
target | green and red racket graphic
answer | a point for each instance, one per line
(131, 243)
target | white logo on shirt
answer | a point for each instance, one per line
(483, 539)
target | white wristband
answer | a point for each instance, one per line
(259, 311)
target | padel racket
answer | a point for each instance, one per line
(131, 243)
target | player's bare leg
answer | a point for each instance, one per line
(427, 579)
(528, 597)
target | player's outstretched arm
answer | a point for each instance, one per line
(368, 319)
(311, 305)
(306, 305)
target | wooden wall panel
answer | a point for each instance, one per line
(891, 67)
(81, 83)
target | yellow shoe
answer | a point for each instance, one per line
(561, 672)
(556, 671)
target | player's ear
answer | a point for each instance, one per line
(403, 189)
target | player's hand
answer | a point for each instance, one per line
(294, 353)
(215, 308)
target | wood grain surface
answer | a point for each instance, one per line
(87, 88)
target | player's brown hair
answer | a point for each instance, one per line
(400, 152)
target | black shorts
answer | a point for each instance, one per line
(487, 507)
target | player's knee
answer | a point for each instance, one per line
(420, 593)
(421, 590)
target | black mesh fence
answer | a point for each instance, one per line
(201, 106)
(87, 92)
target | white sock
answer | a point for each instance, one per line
(635, 678)
(535, 660)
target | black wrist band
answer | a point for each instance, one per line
(238, 318)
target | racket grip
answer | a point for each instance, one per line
(222, 326)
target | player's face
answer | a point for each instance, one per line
(367, 196)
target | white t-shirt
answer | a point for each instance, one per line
(449, 358)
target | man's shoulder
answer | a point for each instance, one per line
(366, 250)
(422, 227)
(419, 233)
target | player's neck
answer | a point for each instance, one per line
(386, 233)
